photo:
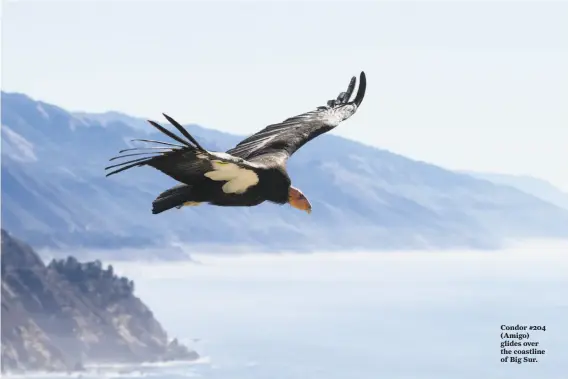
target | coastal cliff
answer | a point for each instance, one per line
(65, 314)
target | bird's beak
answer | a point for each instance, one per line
(297, 200)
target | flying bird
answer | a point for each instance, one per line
(252, 172)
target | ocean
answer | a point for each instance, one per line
(419, 315)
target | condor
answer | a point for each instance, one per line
(250, 173)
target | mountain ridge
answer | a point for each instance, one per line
(363, 197)
(540, 188)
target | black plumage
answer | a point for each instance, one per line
(250, 173)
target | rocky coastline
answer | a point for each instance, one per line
(67, 314)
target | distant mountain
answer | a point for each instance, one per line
(528, 184)
(67, 314)
(55, 194)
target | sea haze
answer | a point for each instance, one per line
(334, 316)
(419, 315)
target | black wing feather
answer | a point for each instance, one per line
(145, 148)
(283, 139)
(168, 133)
(133, 163)
(183, 131)
(185, 163)
(158, 142)
(166, 156)
(132, 155)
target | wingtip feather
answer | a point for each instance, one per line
(183, 131)
(350, 89)
(169, 133)
(361, 90)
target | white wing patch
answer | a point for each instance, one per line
(255, 144)
(238, 179)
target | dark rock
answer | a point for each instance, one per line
(78, 367)
(177, 351)
(60, 316)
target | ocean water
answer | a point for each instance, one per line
(419, 315)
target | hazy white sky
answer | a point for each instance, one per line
(466, 85)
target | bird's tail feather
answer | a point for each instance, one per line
(171, 198)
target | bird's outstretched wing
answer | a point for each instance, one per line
(283, 139)
(188, 161)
